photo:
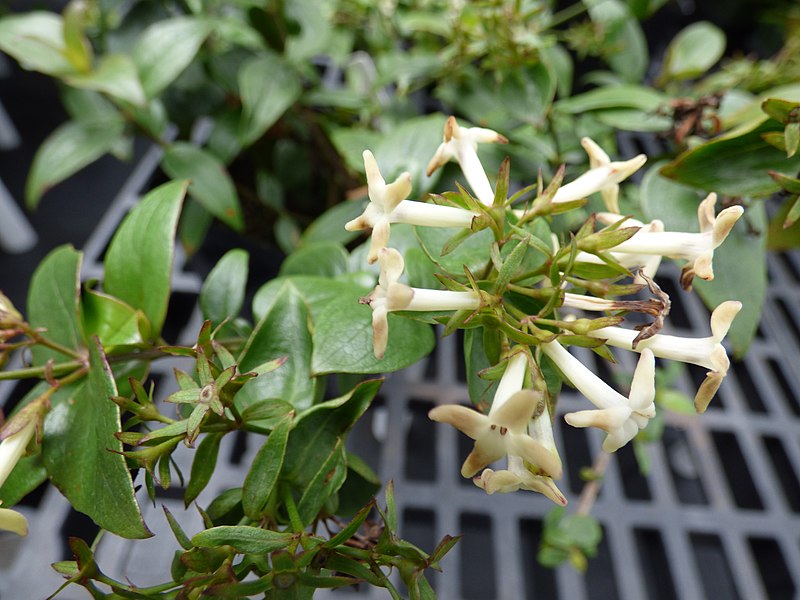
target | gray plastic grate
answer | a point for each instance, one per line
(718, 515)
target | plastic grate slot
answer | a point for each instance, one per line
(419, 528)
(789, 266)
(600, 581)
(678, 316)
(634, 484)
(785, 473)
(575, 453)
(713, 567)
(239, 447)
(749, 389)
(477, 569)
(788, 319)
(683, 467)
(657, 575)
(181, 306)
(540, 582)
(788, 392)
(76, 525)
(736, 471)
(420, 443)
(772, 568)
(465, 446)
(431, 366)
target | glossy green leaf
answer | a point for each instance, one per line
(735, 165)
(318, 430)
(36, 40)
(628, 55)
(634, 120)
(343, 339)
(671, 202)
(53, 303)
(282, 332)
(205, 460)
(265, 469)
(67, 150)
(115, 75)
(246, 540)
(210, 186)
(223, 291)
(613, 97)
(82, 455)
(165, 49)
(138, 263)
(268, 87)
(326, 481)
(693, 51)
(791, 136)
(193, 226)
(329, 227)
(326, 259)
(740, 273)
(111, 320)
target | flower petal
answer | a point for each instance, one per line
(11, 520)
(466, 420)
(515, 412)
(643, 388)
(535, 453)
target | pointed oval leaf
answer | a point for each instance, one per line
(694, 51)
(138, 263)
(223, 290)
(36, 40)
(82, 455)
(165, 49)
(268, 87)
(67, 150)
(265, 469)
(205, 459)
(115, 75)
(53, 303)
(210, 186)
(110, 319)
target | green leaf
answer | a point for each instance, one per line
(675, 401)
(740, 273)
(205, 460)
(282, 332)
(111, 320)
(326, 259)
(671, 202)
(329, 227)
(268, 87)
(343, 339)
(53, 303)
(67, 150)
(138, 263)
(791, 136)
(622, 32)
(318, 430)
(223, 290)
(165, 49)
(785, 111)
(83, 457)
(634, 120)
(36, 40)
(733, 164)
(210, 186)
(115, 75)
(612, 97)
(194, 225)
(245, 540)
(471, 253)
(693, 51)
(265, 469)
(326, 481)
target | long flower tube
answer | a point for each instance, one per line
(11, 450)
(391, 295)
(505, 430)
(599, 158)
(696, 248)
(620, 417)
(461, 144)
(602, 177)
(388, 204)
(705, 352)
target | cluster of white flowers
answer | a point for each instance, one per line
(518, 425)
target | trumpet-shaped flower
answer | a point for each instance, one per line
(620, 417)
(388, 204)
(504, 431)
(598, 158)
(391, 295)
(696, 248)
(461, 144)
(706, 352)
(11, 450)
(604, 176)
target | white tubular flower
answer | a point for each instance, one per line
(705, 352)
(605, 176)
(697, 248)
(461, 144)
(504, 431)
(390, 295)
(11, 450)
(620, 417)
(598, 158)
(388, 204)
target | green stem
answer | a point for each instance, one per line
(566, 14)
(291, 508)
(31, 372)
